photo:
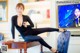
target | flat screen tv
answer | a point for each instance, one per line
(69, 16)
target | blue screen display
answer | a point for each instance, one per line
(67, 17)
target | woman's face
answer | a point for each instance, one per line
(19, 10)
(77, 12)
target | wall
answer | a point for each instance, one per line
(51, 39)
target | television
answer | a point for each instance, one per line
(69, 16)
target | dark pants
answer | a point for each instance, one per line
(32, 38)
(37, 31)
(32, 35)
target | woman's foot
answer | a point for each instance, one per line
(53, 50)
(62, 30)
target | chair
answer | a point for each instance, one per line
(63, 42)
(1, 36)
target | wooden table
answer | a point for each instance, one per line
(17, 45)
(22, 45)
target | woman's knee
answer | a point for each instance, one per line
(40, 38)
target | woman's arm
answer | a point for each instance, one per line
(30, 22)
(13, 28)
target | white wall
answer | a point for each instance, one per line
(51, 39)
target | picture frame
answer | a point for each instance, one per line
(3, 10)
(23, 1)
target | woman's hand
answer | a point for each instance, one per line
(25, 24)
(11, 40)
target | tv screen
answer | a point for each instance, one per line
(69, 15)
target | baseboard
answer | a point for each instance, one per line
(47, 52)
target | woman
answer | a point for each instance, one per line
(27, 32)
(77, 17)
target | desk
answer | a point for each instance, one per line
(17, 45)
(22, 45)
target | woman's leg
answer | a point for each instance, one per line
(37, 38)
(42, 30)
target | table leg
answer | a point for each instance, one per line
(41, 49)
(25, 50)
(20, 50)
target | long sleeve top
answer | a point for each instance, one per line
(21, 29)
